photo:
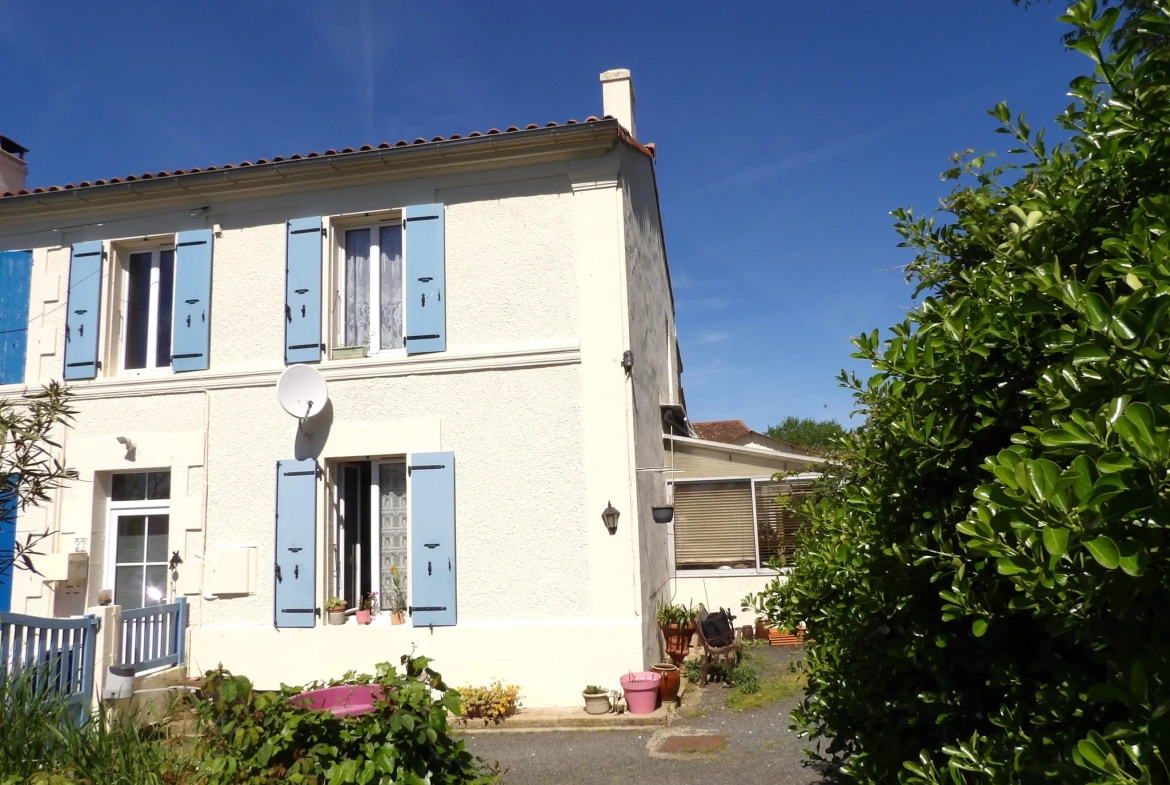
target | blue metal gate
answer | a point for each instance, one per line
(60, 652)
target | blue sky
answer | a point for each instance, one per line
(785, 133)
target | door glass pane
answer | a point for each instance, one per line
(131, 539)
(166, 306)
(158, 485)
(356, 330)
(156, 538)
(392, 529)
(137, 309)
(128, 487)
(390, 298)
(128, 587)
(156, 585)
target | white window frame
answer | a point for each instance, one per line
(152, 366)
(375, 326)
(114, 511)
(374, 558)
(728, 572)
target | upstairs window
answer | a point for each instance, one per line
(148, 297)
(371, 301)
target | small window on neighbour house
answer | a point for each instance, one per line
(139, 537)
(733, 524)
(371, 288)
(370, 537)
(148, 288)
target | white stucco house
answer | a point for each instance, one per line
(494, 318)
(493, 315)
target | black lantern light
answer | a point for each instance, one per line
(610, 516)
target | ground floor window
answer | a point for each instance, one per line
(140, 527)
(370, 538)
(730, 524)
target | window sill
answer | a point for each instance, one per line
(733, 572)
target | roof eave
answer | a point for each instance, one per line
(494, 150)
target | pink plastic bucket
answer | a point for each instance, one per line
(641, 691)
(344, 701)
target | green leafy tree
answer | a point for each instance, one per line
(29, 470)
(817, 435)
(1131, 25)
(985, 580)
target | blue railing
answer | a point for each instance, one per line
(60, 653)
(154, 636)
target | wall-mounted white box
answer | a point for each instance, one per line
(63, 567)
(231, 570)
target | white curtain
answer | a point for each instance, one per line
(356, 330)
(390, 301)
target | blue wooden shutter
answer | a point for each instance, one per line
(84, 311)
(7, 539)
(296, 543)
(426, 314)
(302, 293)
(15, 281)
(432, 532)
(190, 334)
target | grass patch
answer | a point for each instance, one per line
(770, 690)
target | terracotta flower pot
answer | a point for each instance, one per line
(761, 629)
(397, 617)
(668, 686)
(363, 617)
(678, 641)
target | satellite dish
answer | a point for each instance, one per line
(302, 391)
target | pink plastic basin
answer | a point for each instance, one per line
(641, 691)
(344, 701)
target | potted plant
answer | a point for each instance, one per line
(366, 607)
(397, 596)
(677, 623)
(596, 699)
(617, 701)
(335, 607)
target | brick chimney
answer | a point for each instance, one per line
(13, 169)
(617, 97)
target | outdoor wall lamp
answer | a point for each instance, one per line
(610, 516)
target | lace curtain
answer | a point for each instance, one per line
(357, 287)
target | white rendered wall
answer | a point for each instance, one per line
(721, 591)
(529, 395)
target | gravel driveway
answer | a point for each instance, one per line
(759, 746)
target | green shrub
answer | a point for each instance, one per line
(984, 578)
(260, 737)
(42, 742)
(692, 670)
(744, 678)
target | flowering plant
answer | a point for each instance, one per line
(369, 602)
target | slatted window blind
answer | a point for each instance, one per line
(778, 524)
(713, 525)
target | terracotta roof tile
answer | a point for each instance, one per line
(648, 149)
(726, 431)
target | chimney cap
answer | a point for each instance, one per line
(15, 148)
(615, 74)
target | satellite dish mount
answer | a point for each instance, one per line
(303, 393)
